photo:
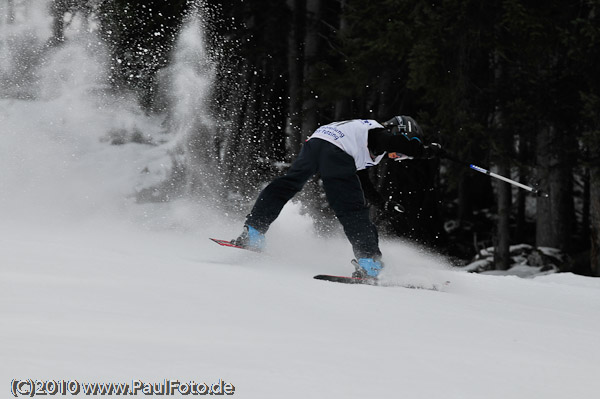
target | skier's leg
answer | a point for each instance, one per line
(273, 197)
(346, 198)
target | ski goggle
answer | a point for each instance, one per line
(398, 156)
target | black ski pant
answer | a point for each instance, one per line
(342, 188)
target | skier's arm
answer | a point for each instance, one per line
(374, 198)
(371, 194)
(381, 140)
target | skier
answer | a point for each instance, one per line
(341, 152)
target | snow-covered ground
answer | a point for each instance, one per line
(97, 288)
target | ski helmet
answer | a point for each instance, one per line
(405, 125)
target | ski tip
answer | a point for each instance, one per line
(225, 243)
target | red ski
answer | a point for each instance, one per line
(227, 243)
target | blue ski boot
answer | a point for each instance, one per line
(250, 239)
(367, 268)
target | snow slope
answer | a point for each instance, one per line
(97, 288)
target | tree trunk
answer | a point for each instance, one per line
(10, 12)
(502, 250)
(504, 143)
(553, 225)
(295, 59)
(311, 52)
(342, 105)
(595, 219)
(465, 209)
(520, 234)
(585, 212)
(386, 97)
(59, 8)
(504, 201)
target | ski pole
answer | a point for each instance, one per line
(506, 179)
(495, 175)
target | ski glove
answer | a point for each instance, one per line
(433, 150)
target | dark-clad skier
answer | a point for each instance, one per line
(341, 152)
